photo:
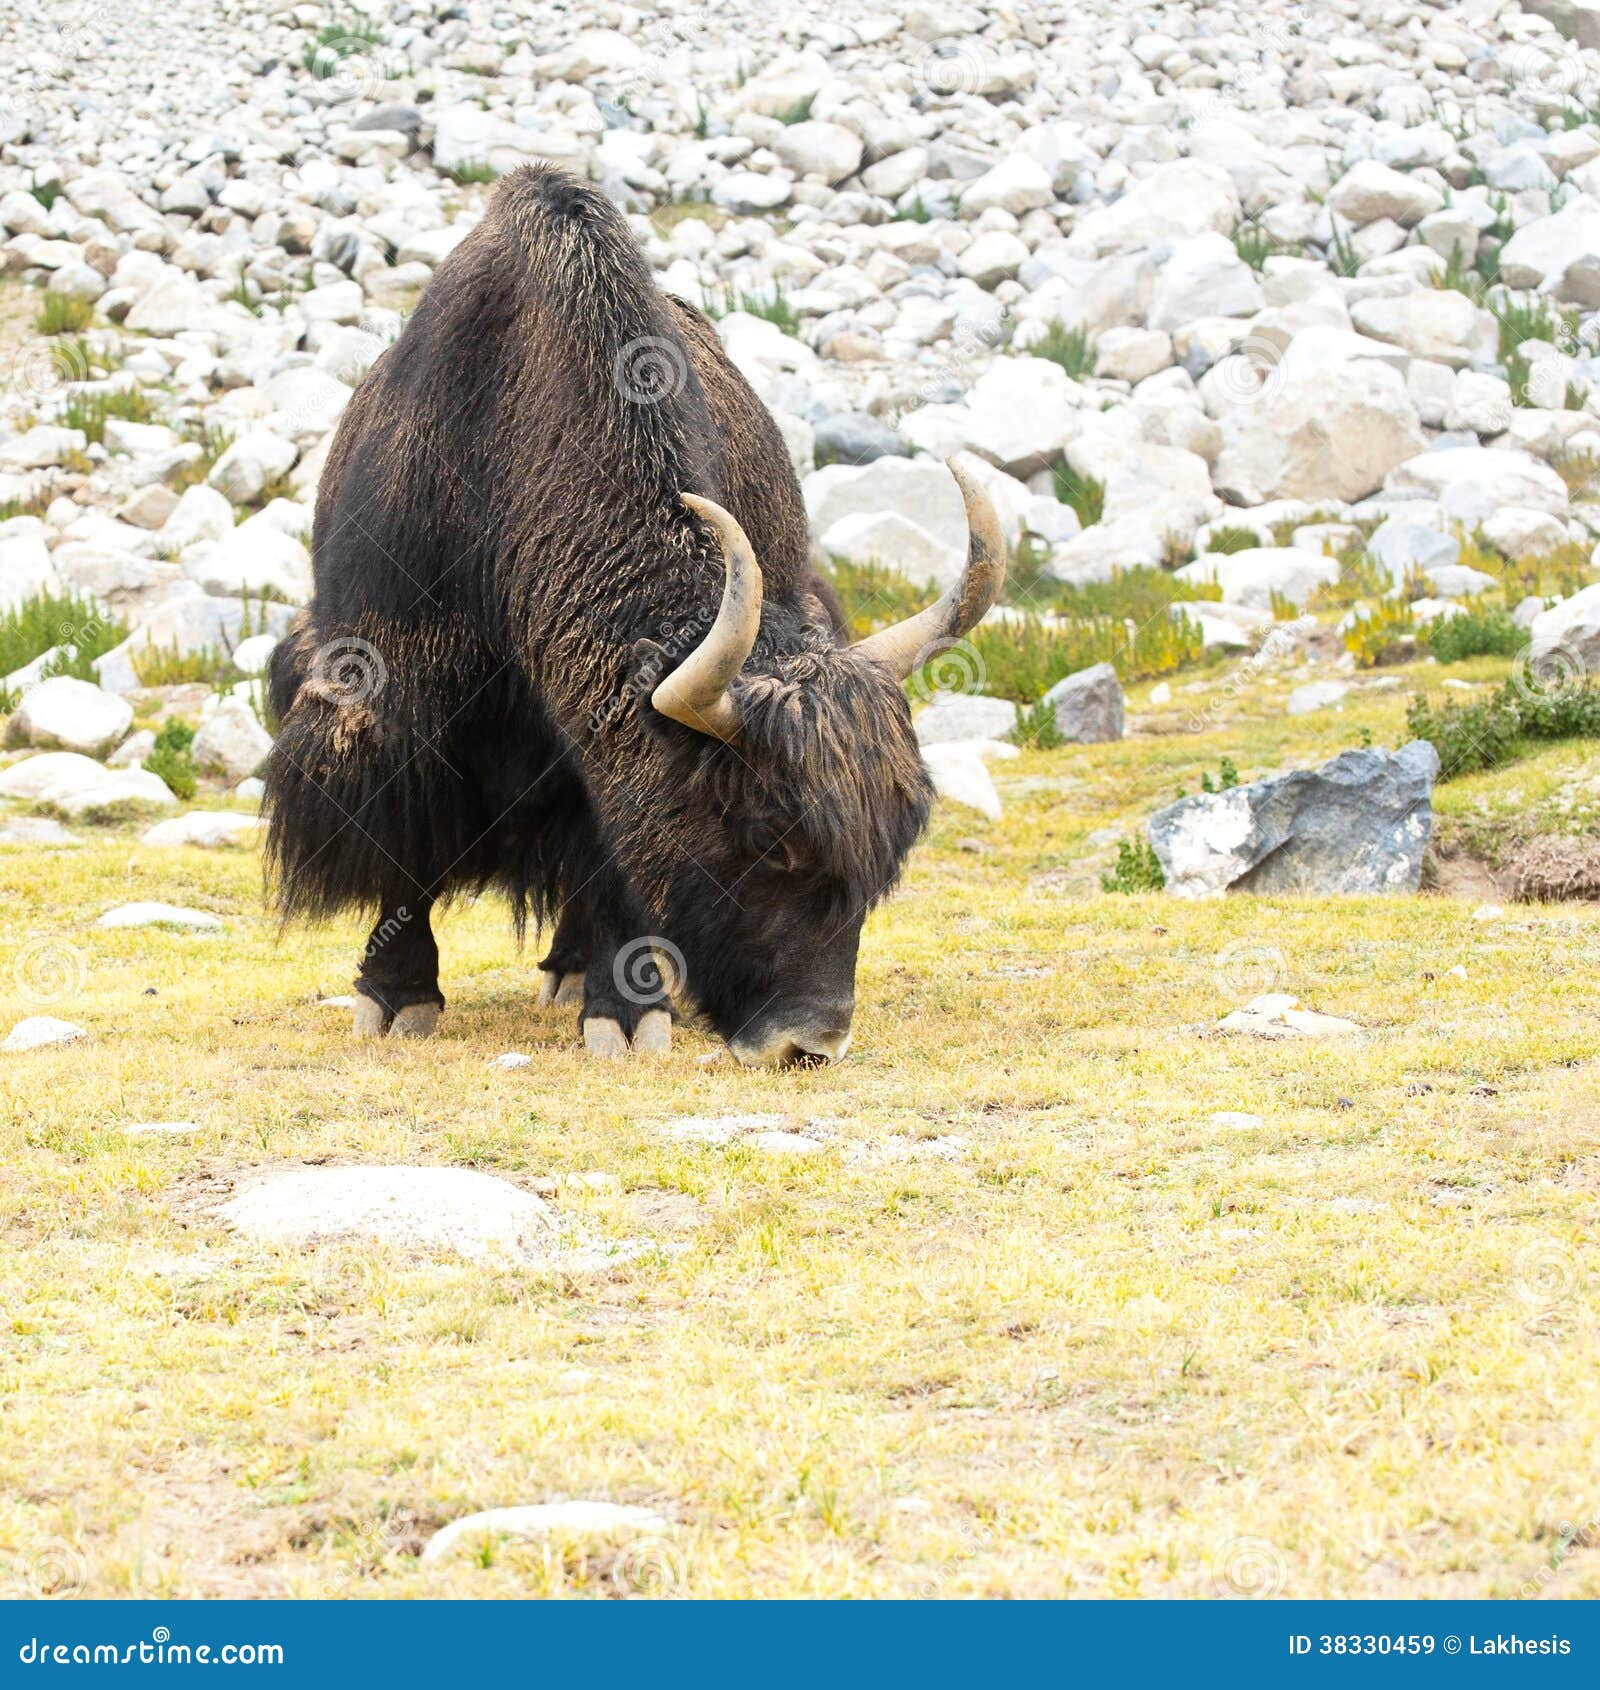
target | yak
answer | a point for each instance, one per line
(565, 642)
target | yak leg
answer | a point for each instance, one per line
(398, 985)
(625, 1003)
(565, 963)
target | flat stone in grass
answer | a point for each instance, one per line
(1278, 1015)
(159, 1129)
(1233, 1121)
(718, 1129)
(36, 1031)
(160, 915)
(785, 1144)
(582, 1521)
(427, 1209)
(202, 827)
(510, 1060)
(35, 831)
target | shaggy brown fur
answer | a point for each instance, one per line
(499, 534)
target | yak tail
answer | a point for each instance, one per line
(589, 279)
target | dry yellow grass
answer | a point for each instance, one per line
(1098, 1346)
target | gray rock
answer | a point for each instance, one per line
(1360, 823)
(1089, 705)
(851, 438)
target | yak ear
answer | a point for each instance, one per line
(647, 662)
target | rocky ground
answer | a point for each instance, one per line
(1260, 1226)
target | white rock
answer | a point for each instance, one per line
(1313, 696)
(70, 715)
(1017, 184)
(1174, 202)
(202, 827)
(231, 741)
(1568, 633)
(36, 1031)
(1438, 324)
(1369, 191)
(254, 459)
(1204, 277)
(1019, 415)
(1469, 482)
(961, 775)
(75, 783)
(578, 1521)
(886, 537)
(965, 716)
(827, 151)
(159, 915)
(1278, 1015)
(1251, 577)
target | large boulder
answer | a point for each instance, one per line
(231, 741)
(1370, 191)
(75, 783)
(26, 568)
(63, 714)
(1567, 635)
(1088, 706)
(1469, 482)
(1204, 277)
(1329, 433)
(1359, 824)
(955, 716)
(1255, 576)
(1174, 202)
(1019, 415)
(1438, 324)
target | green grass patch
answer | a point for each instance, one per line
(30, 629)
(1138, 868)
(774, 307)
(1478, 631)
(1085, 495)
(1071, 348)
(91, 411)
(63, 313)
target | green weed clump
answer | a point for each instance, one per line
(1138, 868)
(171, 758)
(1487, 733)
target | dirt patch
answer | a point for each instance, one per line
(1555, 869)
(1552, 868)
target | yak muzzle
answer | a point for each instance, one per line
(801, 1042)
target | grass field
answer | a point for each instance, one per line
(1030, 1323)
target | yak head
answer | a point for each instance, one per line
(784, 797)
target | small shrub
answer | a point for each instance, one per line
(1376, 630)
(1482, 735)
(1037, 727)
(1138, 868)
(171, 758)
(1232, 539)
(1085, 495)
(1477, 631)
(465, 175)
(799, 112)
(1227, 777)
(47, 193)
(63, 313)
(168, 666)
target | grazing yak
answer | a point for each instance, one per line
(565, 642)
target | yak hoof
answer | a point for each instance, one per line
(653, 1035)
(556, 989)
(371, 1019)
(415, 1021)
(603, 1037)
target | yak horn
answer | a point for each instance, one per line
(906, 645)
(696, 692)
